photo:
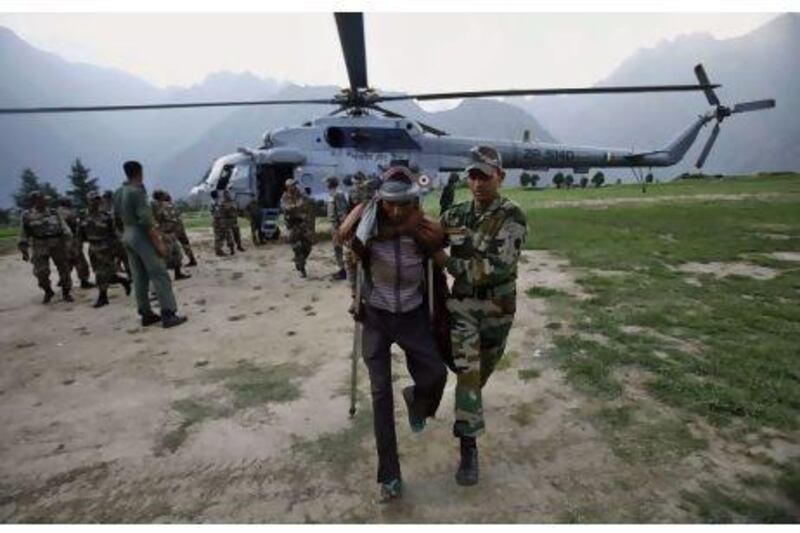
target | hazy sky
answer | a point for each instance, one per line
(407, 52)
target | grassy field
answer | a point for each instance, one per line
(715, 359)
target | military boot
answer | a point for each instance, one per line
(192, 261)
(169, 319)
(338, 276)
(102, 299)
(220, 253)
(468, 467)
(302, 270)
(181, 275)
(66, 295)
(48, 295)
(150, 319)
(126, 283)
(86, 284)
(240, 247)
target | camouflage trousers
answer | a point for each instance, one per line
(77, 260)
(479, 332)
(104, 263)
(174, 255)
(301, 247)
(44, 250)
(233, 229)
(120, 256)
(222, 235)
(183, 239)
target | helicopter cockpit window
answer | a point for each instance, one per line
(370, 139)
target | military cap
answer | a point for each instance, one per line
(485, 159)
(332, 181)
(92, 196)
(291, 183)
(398, 185)
(35, 194)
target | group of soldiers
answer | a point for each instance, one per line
(393, 255)
(59, 234)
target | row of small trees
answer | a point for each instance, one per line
(82, 184)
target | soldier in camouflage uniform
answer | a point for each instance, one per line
(363, 190)
(43, 227)
(337, 210)
(299, 217)
(218, 225)
(254, 217)
(75, 253)
(485, 236)
(230, 214)
(181, 235)
(168, 222)
(117, 248)
(97, 228)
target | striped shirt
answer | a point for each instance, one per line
(397, 275)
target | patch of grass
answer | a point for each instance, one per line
(253, 385)
(789, 480)
(543, 292)
(714, 505)
(192, 411)
(528, 374)
(651, 440)
(338, 451)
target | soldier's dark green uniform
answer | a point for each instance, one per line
(168, 221)
(298, 212)
(230, 216)
(48, 233)
(97, 228)
(130, 202)
(75, 254)
(484, 250)
(337, 211)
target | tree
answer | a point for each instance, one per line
(558, 180)
(568, 181)
(598, 179)
(29, 182)
(534, 179)
(584, 182)
(82, 184)
(524, 179)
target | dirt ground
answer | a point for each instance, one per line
(104, 421)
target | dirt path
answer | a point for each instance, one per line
(104, 421)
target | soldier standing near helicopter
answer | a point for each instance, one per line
(337, 210)
(230, 216)
(221, 232)
(75, 253)
(486, 235)
(297, 214)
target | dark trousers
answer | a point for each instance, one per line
(413, 333)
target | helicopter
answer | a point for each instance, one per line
(363, 137)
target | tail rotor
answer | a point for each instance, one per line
(721, 112)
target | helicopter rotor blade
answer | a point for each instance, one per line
(755, 105)
(543, 92)
(426, 127)
(700, 72)
(351, 35)
(707, 148)
(84, 109)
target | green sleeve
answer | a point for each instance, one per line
(143, 214)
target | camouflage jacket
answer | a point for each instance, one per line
(362, 191)
(484, 245)
(167, 217)
(35, 224)
(98, 228)
(337, 209)
(229, 211)
(298, 211)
